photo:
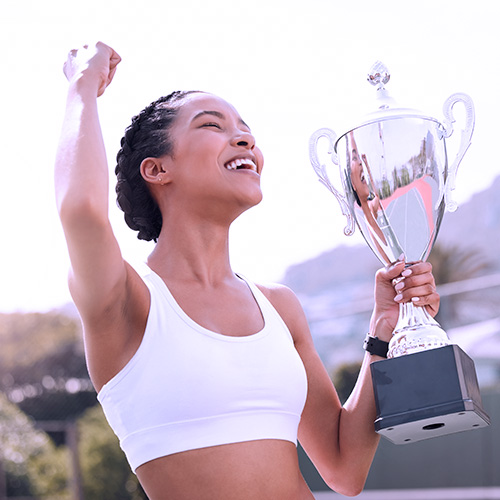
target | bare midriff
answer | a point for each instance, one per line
(252, 470)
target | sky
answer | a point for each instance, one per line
(288, 66)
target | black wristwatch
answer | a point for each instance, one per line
(376, 346)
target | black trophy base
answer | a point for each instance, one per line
(427, 394)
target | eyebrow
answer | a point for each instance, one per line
(218, 115)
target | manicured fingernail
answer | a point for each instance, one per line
(415, 299)
(398, 297)
(406, 273)
(399, 286)
(401, 258)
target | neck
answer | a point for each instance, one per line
(188, 251)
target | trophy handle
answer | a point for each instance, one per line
(320, 170)
(465, 140)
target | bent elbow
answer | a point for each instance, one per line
(349, 490)
(353, 492)
(79, 210)
(348, 485)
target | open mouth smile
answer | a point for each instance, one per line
(241, 164)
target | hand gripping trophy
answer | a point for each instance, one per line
(397, 184)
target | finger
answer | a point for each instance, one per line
(110, 76)
(425, 298)
(393, 270)
(114, 60)
(421, 295)
(414, 280)
(430, 302)
(113, 63)
(433, 307)
(416, 292)
(416, 274)
(396, 282)
(420, 267)
(114, 57)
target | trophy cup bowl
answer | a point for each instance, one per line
(397, 185)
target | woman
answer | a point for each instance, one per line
(205, 377)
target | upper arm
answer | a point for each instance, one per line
(320, 417)
(106, 289)
(322, 430)
(112, 299)
(109, 294)
(98, 272)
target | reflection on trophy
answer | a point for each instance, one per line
(397, 184)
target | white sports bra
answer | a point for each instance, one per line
(187, 387)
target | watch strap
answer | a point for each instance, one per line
(374, 345)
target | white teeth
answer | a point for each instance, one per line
(241, 161)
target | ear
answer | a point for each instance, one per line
(156, 170)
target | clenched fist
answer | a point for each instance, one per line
(95, 64)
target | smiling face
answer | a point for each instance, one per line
(358, 178)
(214, 156)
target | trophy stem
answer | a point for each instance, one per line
(415, 331)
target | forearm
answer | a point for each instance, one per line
(341, 441)
(81, 171)
(357, 437)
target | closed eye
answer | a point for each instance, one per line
(212, 124)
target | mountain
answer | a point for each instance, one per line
(475, 226)
(336, 288)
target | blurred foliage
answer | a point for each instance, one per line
(344, 379)
(452, 263)
(455, 263)
(42, 367)
(48, 473)
(105, 470)
(27, 338)
(33, 465)
(43, 377)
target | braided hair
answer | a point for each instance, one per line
(147, 136)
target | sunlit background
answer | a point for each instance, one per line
(288, 66)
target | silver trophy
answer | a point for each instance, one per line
(397, 184)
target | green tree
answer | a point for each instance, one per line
(344, 379)
(42, 366)
(105, 470)
(32, 463)
(29, 337)
(455, 263)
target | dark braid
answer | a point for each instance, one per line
(147, 136)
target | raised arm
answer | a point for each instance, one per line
(81, 180)
(100, 281)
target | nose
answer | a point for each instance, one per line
(243, 139)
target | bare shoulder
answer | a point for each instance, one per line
(279, 295)
(288, 307)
